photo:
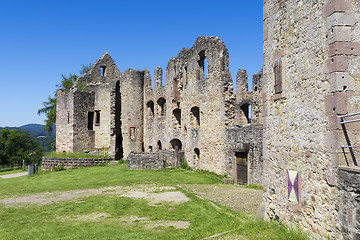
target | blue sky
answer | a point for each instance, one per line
(40, 40)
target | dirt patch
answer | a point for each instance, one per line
(235, 197)
(127, 221)
(155, 195)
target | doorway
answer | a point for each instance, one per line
(241, 167)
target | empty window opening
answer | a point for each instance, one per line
(186, 74)
(278, 75)
(195, 116)
(102, 71)
(97, 118)
(177, 117)
(196, 155)
(150, 148)
(161, 103)
(68, 118)
(150, 106)
(201, 69)
(159, 145)
(176, 144)
(90, 120)
(241, 167)
(132, 133)
(245, 113)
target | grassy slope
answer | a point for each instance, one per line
(49, 221)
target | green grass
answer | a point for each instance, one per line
(59, 220)
(75, 155)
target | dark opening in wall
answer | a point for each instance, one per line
(132, 133)
(161, 102)
(102, 71)
(176, 144)
(196, 154)
(177, 116)
(278, 75)
(195, 117)
(68, 118)
(159, 145)
(150, 148)
(245, 113)
(150, 106)
(201, 69)
(90, 120)
(97, 118)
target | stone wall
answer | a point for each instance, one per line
(308, 82)
(154, 160)
(199, 89)
(348, 204)
(49, 163)
(192, 112)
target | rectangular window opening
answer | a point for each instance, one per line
(102, 71)
(97, 118)
(90, 120)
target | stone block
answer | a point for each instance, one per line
(266, 10)
(342, 19)
(341, 81)
(341, 100)
(336, 6)
(344, 48)
(339, 34)
(336, 64)
(330, 105)
(333, 123)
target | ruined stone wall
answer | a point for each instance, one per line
(349, 202)
(64, 121)
(194, 110)
(132, 94)
(306, 86)
(50, 163)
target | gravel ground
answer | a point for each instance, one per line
(235, 197)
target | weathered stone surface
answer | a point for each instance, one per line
(49, 163)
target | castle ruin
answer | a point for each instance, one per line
(195, 112)
(296, 132)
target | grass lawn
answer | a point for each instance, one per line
(110, 215)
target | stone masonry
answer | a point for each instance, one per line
(310, 79)
(294, 132)
(195, 112)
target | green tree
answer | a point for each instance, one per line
(17, 146)
(49, 108)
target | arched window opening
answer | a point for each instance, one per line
(159, 145)
(177, 118)
(195, 117)
(201, 69)
(150, 148)
(176, 144)
(161, 102)
(150, 106)
(245, 113)
(196, 155)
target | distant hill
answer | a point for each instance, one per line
(35, 130)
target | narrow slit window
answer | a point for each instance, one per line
(278, 75)
(97, 118)
(102, 71)
(90, 120)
